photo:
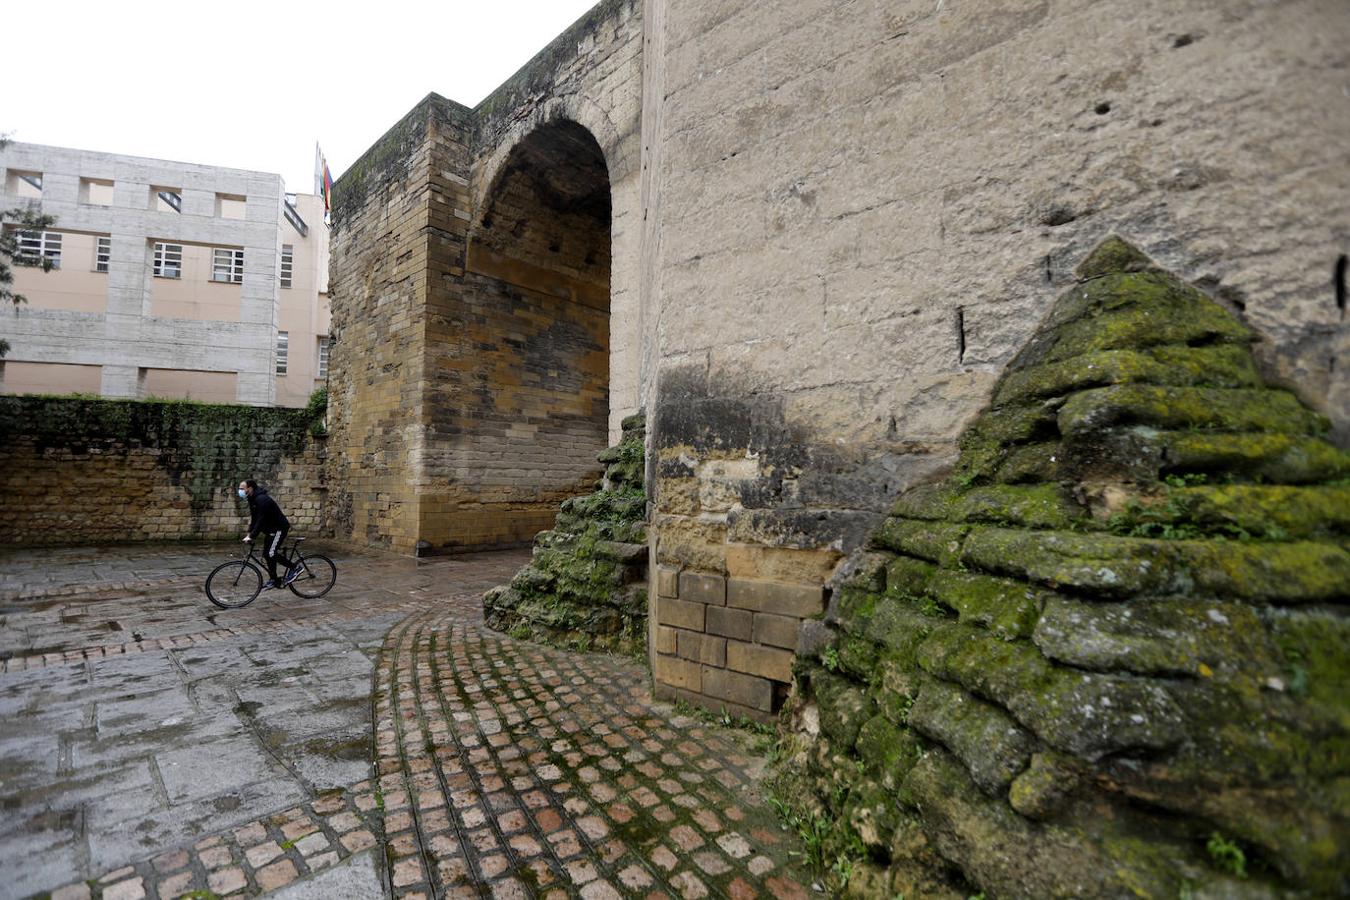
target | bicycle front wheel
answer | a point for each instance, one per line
(317, 576)
(234, 584)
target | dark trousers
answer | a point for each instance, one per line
(271, 545)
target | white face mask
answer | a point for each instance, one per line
(243, 495)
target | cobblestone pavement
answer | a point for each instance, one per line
(157, 746)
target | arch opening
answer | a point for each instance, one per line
(530, 381)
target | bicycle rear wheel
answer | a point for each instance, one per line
(317, 576)
(234, 584)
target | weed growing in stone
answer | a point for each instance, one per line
(1226, 855)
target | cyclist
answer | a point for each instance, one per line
(266, 519)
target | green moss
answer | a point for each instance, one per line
(1031, 506)
(926, 540)
(1243, 510)
(1034, 463)
(1179, 408)
(1298, 572)
(1224, 365)
(888, 750)
(906, 576)
(843, 709)
(991, 745)
(1079, 713)
(1282, 458)
(1113, 255)
(1105, 564)
(1131, 310)
(1006, 607)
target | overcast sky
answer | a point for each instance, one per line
(253, 85)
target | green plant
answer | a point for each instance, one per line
(1226, 855)
(1186, 480)
(317, 411)
(830, 659)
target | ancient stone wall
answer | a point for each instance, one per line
(474, 297)
(1106, 655)
(86, 471)
(399, 219)
(861, 206)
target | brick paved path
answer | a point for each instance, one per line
(502, 768)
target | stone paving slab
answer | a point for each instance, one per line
(377, 742)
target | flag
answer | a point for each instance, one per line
(323, 178)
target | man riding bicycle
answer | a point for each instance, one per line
(266, 519)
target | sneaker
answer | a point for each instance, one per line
(292, 575)
(270, 585)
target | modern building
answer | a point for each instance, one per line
(168, 280)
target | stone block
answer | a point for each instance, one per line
(709, 589)
(732, 623)
(776, 631)
(779, 598)
(667, 581)
(680, 673)
(754, 659)
(735, 687)
(665, 639)
(702, 648)
(679, 613)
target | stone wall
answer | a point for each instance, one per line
(85, 471)
(473, 305)
(1106, 655)
(859, 208)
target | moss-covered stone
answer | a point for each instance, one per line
(1224, 366)
(888, 750)
(1047, 782)
(933, 541)
(844, 708)
(1197, 638)
(1112, 256)
(1131, 310)
(1113, 566)
(1223, 409)
(1080, 713)
(1116, 685)
(1007, 607)
(993, 748)
(584, 585)
(1279, 458)
(1273, 511)
(1008, 856)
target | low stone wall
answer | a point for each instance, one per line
(85, 471)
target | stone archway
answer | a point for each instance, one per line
(526, 391)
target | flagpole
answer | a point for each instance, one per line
(318, 170)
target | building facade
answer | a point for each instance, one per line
(168, 280)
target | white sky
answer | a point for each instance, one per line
(253, 85)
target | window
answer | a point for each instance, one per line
(323, 357)
(287, 263)
(25, 185)
(39, 248)
(96, 192)
(168, 260)
(227, 265)
(102, 254)
(283, 350)
(166, 199)
(230, 206)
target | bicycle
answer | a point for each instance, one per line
(238, 583)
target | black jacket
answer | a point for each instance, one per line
(266, 517)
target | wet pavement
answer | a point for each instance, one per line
(374, 742)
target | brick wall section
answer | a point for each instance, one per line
(82, 471)
(727, 643)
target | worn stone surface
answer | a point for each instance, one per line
(1107, 631)
(189, 751)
